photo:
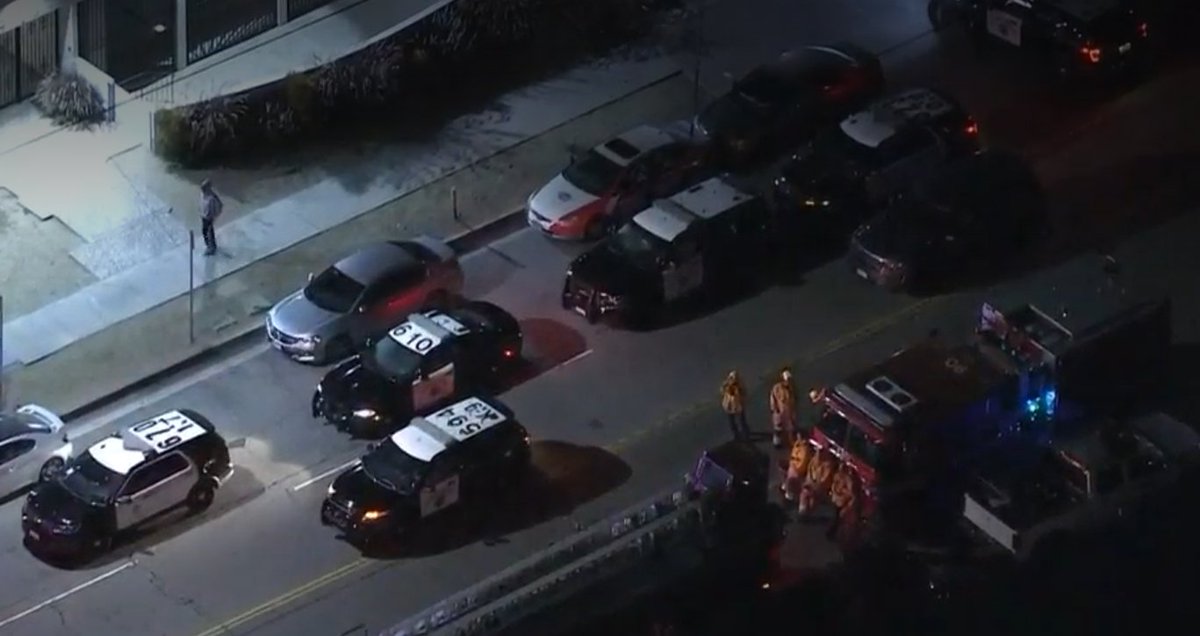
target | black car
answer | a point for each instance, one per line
(466, 453)
(174, 460)
(1071, 37)
(779, 103)
(827, 188)
(419, 365)
(975, 211)
(707, 236)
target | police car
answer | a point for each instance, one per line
(598, 192)
(677, 248)
(421, 363)
(462, 454)
(1074, 37)
(174, 460)
(830, 185)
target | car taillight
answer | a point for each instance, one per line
(971, 128)
(1091, 54)
(510, 353)
(1143, 30)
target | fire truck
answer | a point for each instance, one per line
(931, 409)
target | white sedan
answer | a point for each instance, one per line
(33, 448)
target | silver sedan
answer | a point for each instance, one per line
(32, 448)
(363, 295)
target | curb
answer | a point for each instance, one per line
(464, 242)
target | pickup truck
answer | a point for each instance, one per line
(1081, 483)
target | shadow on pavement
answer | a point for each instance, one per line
(548, 344)
(242, 488)
(563, 477)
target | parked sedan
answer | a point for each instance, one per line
(32, 448)
(362, 296)
(976, 211)
(602, 189)
(780, 103)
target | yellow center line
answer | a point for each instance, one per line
(829, 348)
(287, 597)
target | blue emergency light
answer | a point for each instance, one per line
(1044, 404)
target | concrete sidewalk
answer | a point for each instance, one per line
(127, 285)
(106, 361)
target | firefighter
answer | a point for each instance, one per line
(817, 480)
(843, 492)
(797, 468)
(733, 402)
(783, 409)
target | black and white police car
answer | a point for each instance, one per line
(831, 184)
(1074, 38)
(173, 460)
(707, 236)
(421, 363)
(465, 453)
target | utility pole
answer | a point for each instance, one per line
(697, 43)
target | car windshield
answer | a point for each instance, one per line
(640, 246)
(394, 469)
(333, 291)
(393, 360)
(593, 174)
(90, 481)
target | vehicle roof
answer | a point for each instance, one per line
(924, 380)
(631, 144)
(430, 435)
(1085, 10)
(433, 327)
(796, 62)
(126, 450)
(374, 261)
(887, 116)
(11, 427)
(668, 218)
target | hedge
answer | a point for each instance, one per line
(468, 43)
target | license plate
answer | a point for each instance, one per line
(34, 535)
(862, 273)
(1124, 48)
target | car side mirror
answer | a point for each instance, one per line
(311, 276)
(372, 447)
(66, 438)
(124, 499)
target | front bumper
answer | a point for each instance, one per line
(353, 529)
(590, 302)
(39, 539)
(294, 348)
(344, 419)
(876, 271)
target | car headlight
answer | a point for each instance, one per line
(366, 413)
(816, 203)
(372, 515)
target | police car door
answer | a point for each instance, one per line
(436, 380)
(153, 488)
(442, 487)
(683, 273)
(1005, 20)
(15, 468)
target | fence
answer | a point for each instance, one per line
(28, 54)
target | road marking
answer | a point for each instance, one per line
(286, 598)
(575, 358)
(102, 419)
(312, 480)
(54, 599)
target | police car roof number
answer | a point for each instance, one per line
(466, 418)
(414, 338)
(166, 431)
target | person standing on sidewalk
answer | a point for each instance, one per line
(783, 410)
(733, 402)
(211, 207)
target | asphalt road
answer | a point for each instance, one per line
(259, 562)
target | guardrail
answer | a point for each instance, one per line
(546, 578)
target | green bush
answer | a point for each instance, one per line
(425, 65)
(69, 100)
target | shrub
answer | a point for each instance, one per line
(69, 100)
(467, 41)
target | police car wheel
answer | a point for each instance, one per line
(51, 469)
(200, 497)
